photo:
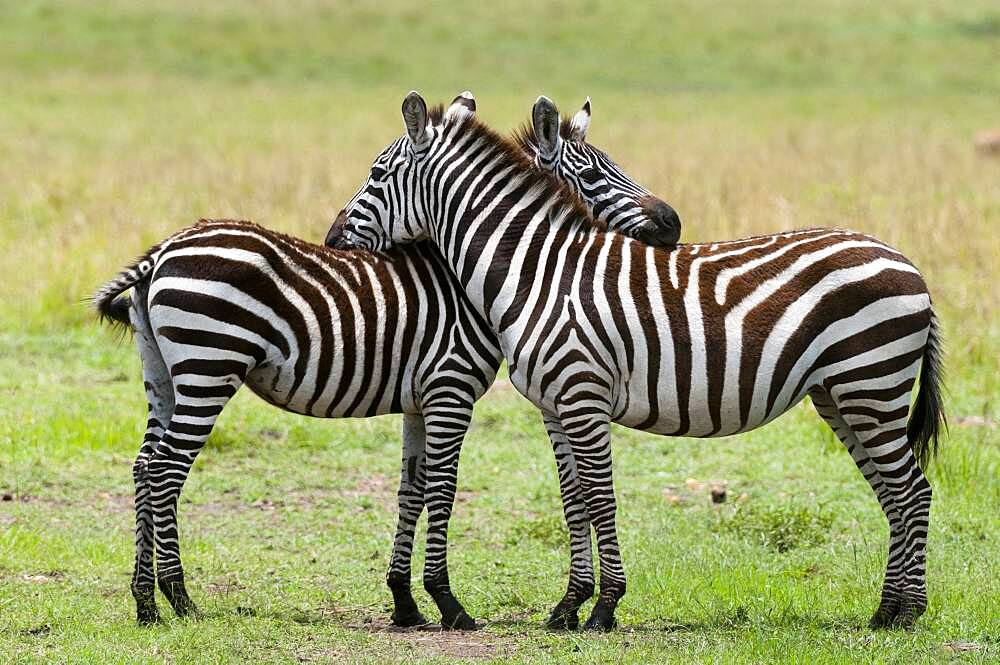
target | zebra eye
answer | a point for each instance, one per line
(379, 174)
(590, 175)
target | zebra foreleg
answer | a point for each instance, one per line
(581, 569)
(410, 500)
(446, 422)
(588, 430)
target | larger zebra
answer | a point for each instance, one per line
(707, 340)
(325, 333)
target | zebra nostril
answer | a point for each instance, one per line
(664, 215)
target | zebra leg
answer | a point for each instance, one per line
(160, 404)
(914, 503)
(581, 566)
(410, 499)
(882, 433)
(893, 581)
(589, 435)
(446, 422)
(197, 408)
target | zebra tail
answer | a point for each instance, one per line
(927, 416)
(112, 309)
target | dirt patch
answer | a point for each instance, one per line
(702, 491)
(42, 578)
(959, 647)
(113, 503)
(305, 499)
(372, 490)
(224, 586)
(434, 641)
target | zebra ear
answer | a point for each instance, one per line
(581, 121)
(462, 106)
(545, 122)
(415, 118)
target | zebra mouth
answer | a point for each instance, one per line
(335, 237)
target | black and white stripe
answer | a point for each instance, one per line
(706, 340)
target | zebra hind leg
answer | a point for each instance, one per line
(160, 403)
(581, 570)
(200, 399)
(446, 421)
(410, 500)
(880, 427)
(893, 581)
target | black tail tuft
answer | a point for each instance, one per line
(927, 415)
(114, 309)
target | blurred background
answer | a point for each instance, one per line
(125, 120)
(122, 121)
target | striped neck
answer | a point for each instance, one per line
(494, 205)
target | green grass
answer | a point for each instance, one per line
(123, 121)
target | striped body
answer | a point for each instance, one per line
(711, 339)
(316, 331)
(706, 340)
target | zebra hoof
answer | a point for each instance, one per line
(886, 613)
(461, 621)
(409, 619)
(179, 599)
(563, 619)
(883, 618)
(601, 619)
(146, 613)
(910, 609)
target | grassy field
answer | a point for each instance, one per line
(121, 122)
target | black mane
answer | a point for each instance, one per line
(513, 153)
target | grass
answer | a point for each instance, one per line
(124, 121)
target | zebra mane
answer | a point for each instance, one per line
(576, 216)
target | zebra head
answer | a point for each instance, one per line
(561, 148)
(390, 206)
(557, 147)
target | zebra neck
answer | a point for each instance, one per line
(528, 229)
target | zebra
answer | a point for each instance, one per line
(706, 340)
(317, 331)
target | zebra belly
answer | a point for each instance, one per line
(699, 423)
